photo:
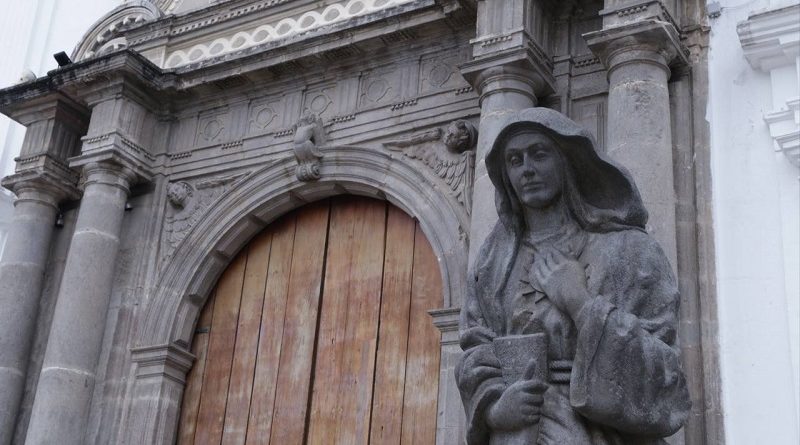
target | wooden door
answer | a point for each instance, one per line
(318, 333)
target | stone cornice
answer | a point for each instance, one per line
(44, 175)
(171, 361)
(771, 39)
(235, 29)
(647, 41)
(636, 11)
(77, 80)
(525, 64)
(130, 164)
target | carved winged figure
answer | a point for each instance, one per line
(569, 323)
(455, 164)
(188, 204)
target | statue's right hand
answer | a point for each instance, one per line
(520, 404)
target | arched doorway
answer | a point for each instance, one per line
(318, 333)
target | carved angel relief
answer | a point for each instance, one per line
(187, 204)
(448, 153)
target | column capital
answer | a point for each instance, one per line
(42, 179)
(521, 71)
(447, 321)
(620, 12)
(114, 155)
(646, 41)
(171, 361)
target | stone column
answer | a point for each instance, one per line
(21, 275)
(63, 396)
(638, 57)
(42, 180)
(510, 68)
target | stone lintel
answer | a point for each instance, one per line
(126, 162)
(620, 12)
(169, 361)
(48, 178)
(648, 41)
(528, 67)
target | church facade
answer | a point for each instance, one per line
(254, 221)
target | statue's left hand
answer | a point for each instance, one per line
(563, 280)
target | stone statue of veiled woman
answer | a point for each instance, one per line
(570, 266)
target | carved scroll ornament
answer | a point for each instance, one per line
(309, 135)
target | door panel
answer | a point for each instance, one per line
(318, 333)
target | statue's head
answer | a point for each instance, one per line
(540, 156)
(460, 136)
(534, 167)
(178, 193)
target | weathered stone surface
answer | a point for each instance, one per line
(216, 138)
(568, 328)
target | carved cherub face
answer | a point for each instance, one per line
(535, 168)
(177, 193)
(456, 138)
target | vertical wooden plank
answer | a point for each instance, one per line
(194, 380)
(346, 347)
(387, 405)
(271, 334)
(422, 366)
(244, 356)
(294, 373)
(220, 354)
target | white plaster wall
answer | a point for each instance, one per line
(31, 31)
(757, 234)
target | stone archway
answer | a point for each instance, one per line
(160, 356)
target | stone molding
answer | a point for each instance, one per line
(447, 321)
(44, 179)
(771, 39)
(784, 126)
(649, 41)
(170, 361)
(626, 12)
(186, 278)
(279, 28)
(512, 74)
(108, 33)
(262, 196)
(112, 162)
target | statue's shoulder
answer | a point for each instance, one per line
(625, 244)
(498, 245)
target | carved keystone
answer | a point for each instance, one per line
(309, 135)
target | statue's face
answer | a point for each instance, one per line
(535, 168)
(177, 194)
(456, 135)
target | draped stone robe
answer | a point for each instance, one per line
(626, 385)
